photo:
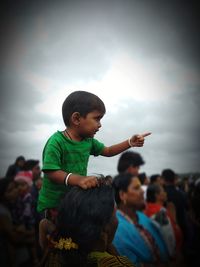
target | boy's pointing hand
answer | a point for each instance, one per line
(138, 139)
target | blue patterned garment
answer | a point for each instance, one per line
(130, 241)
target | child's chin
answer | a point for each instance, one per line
(88, 136)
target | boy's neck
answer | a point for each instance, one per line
(72, 135)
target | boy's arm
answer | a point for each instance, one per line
(135, 141)
(60, 176)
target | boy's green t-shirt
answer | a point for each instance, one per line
(61, 153)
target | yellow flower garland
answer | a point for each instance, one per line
(64, 243)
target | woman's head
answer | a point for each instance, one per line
(128, 191)
(155, 193)
(34, 166)
(85, 214)
(8, 190)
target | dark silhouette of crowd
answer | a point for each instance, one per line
(130, 219)
(19, 218)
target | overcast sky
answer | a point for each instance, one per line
(141, 57)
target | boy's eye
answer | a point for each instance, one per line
(97, 119)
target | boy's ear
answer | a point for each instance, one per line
(75, 118)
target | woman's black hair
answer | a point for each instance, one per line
(30, 164)
(154, 177)
(152, 191)
(19, 158)
(82, 216)
(82, 102)
(121, 183)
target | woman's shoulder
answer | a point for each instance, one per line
(143, 218)
(104, 259)
(142, 215)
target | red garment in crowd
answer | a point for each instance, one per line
(153, 208)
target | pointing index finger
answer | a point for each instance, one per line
(146, 134)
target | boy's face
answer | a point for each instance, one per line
(90, 124)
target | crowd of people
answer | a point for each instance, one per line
(62, 217)
(129, 219)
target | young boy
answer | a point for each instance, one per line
(66, 153)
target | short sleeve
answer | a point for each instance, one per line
(52, 155)
(97, 147)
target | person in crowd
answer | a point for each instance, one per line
(195, 200)
(24, 181)
(38, 216)
(35, 189)
(136, 236)
(85, 227)
(130, 162)
(176, 196)
(66, 153)
(144, 180)
(156, 179)
(194, 214)
(25, 208)
(16, 167)
(34, 166)
(155, 205)
(13, 242)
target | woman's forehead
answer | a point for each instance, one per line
(135, 181)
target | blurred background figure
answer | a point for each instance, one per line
(144, 180)
(14, 239)
(177, 197)
(34, 166)
(155, 203)
(16, 167)
(156, 179)
(25, 210)
(130, 162)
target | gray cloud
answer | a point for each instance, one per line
(75, 41)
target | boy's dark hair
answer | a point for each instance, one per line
(121, 183)
(152, 190)
(128, 159)
(168, 175)
(82, 102)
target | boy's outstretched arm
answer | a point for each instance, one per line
(59, 176)
(135, 141)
